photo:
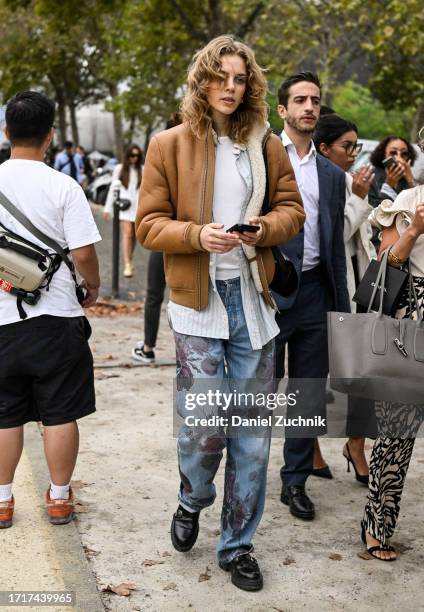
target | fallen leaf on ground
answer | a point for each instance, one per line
(166, 554)
(171, 586)
(150, 562)
(81, 508)
(124, 589)
(90, 552)
(206, 575)
(79, 484)
(102, 376)
(105, 308)
(288, 561)
(335, 557)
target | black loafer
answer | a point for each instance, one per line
(299, 503)
(184, 529)
(245, 573)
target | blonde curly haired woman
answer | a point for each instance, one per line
(200, 179)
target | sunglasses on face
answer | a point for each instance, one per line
(135, 155)
(351, 147)
(404, 154)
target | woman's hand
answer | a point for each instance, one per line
(407, 172)
(417, 225)
(393, 174)
(362, 180)
(251, 237)
(214, 240)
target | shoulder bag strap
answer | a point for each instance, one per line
(265, 205)
(19, 216)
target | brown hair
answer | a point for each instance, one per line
(205, 68)
(125, 172)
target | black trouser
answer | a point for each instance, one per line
(303, 328)
(154, 298)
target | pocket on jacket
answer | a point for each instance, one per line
(181, 270)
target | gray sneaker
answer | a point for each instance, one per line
(139, 354)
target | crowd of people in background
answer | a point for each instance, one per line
(329, 218)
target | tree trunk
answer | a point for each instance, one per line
(129, 135)
(215, 18)
(148, 132)
(417, 123)
(74, 125)
(61, 113)
(117, 125)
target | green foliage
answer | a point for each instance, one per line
(274, 118)
(396, 51)
(134, 55)
(357, 104)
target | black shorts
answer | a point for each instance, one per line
(46, 371)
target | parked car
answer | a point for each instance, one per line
(363, 158)
(97, 190)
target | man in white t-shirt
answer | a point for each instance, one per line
(46, 366)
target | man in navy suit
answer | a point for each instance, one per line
(318, 254)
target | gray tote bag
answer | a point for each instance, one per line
(376, 356)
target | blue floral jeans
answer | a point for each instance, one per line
(199, 455)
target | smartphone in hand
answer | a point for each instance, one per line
(242, 227)
(389, 162)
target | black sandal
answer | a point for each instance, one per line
(373, 549)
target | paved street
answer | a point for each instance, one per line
(126, 482)
(130, 288)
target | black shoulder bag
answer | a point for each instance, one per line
(285, 279)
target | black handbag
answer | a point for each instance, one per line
(396, 281)
(285, 279)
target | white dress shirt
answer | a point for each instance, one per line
(306, 174)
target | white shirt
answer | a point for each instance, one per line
(57, 206)
(229, 193)
(306, 174)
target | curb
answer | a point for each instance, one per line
(77, 574)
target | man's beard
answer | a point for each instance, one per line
(294, 124)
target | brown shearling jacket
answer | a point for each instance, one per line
(175, 203)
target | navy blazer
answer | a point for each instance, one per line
(332, 198)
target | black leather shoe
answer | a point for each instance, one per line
(184, 529)
(245, 573)
(299, 503)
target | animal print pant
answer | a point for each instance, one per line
(391, 453)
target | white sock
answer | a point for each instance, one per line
(6, 492)
(59, 492)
